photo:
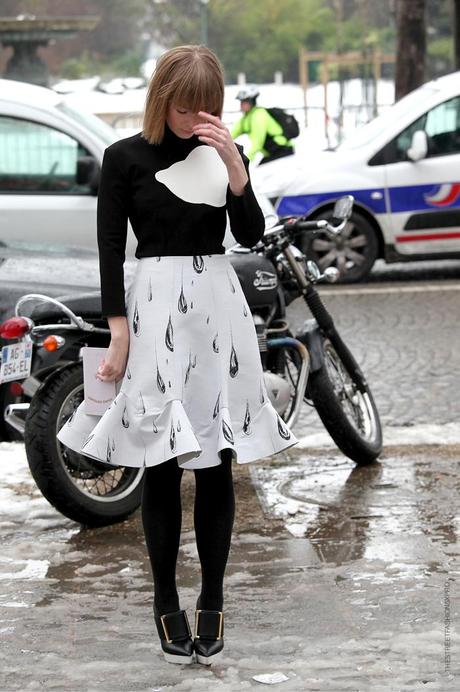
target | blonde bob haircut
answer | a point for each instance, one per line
(189, 77)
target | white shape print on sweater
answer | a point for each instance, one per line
(201, 178)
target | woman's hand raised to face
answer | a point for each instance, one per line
(213, 132)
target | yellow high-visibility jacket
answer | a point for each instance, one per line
(258, 124)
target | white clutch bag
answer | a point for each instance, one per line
(98, 395)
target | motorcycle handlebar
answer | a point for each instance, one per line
(298, 225)
(309, 225)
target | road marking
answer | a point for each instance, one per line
(427, 288)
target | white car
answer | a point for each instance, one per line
(403, 169)
(50, 156)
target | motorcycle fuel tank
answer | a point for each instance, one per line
(258, 278)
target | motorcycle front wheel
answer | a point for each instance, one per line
(81, 488)
(349, 415)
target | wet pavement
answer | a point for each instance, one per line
(342, 578)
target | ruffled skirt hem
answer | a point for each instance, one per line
(121, 438)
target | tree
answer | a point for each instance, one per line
(256, 37)
(410, 46)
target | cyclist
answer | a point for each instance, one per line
(265, 133)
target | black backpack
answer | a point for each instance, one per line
(286, 120)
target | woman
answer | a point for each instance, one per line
(192, 393)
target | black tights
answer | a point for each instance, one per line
(214, 512)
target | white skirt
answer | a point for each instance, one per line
(194, 383)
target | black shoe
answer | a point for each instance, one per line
(208, 637)
(175, 636)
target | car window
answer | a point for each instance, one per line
(91, 122)
(365, 134)
(442, 126)
(35, 158)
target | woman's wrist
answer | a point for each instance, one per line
(119, 328)
(237, 177)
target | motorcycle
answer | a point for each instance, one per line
(313, 366)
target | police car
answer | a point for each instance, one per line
(403, 169)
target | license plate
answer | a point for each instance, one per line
(16, 361)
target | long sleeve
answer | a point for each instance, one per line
(112, 223)
(247, 221)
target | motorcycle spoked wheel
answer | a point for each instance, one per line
(349, 415)
(81, 488)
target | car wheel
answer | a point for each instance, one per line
(353, 252)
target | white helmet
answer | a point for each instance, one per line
(247, 93)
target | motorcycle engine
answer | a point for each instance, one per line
(279, 391)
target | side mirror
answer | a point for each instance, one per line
(343, 207)
(419, 146)
(88, 172)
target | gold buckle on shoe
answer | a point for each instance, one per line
(221, 623)
(165, 630)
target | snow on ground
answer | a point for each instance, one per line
(359, 605)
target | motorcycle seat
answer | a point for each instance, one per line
(87, 305)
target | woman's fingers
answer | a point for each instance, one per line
(211, 132)
(214, 119)
(113, 366)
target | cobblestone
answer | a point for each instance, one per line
(407, 344)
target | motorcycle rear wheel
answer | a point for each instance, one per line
(349, 415)
(82, 489)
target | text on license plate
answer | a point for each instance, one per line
(16, 361)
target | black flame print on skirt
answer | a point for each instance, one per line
(234, 367)
(136, 321)
(182, 302)
(172, 437)
(141, 405)
(88, 440)
(215, 345)
(261, 393)
(247, 421)
(189, 367)
(160, 382)
(216, 407)
(198, 263)
(282, 430)
(124, 418)
(227, 432)
(232, 287)
(149, 292)
(169, 340)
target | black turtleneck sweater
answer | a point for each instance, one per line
(176, 196)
